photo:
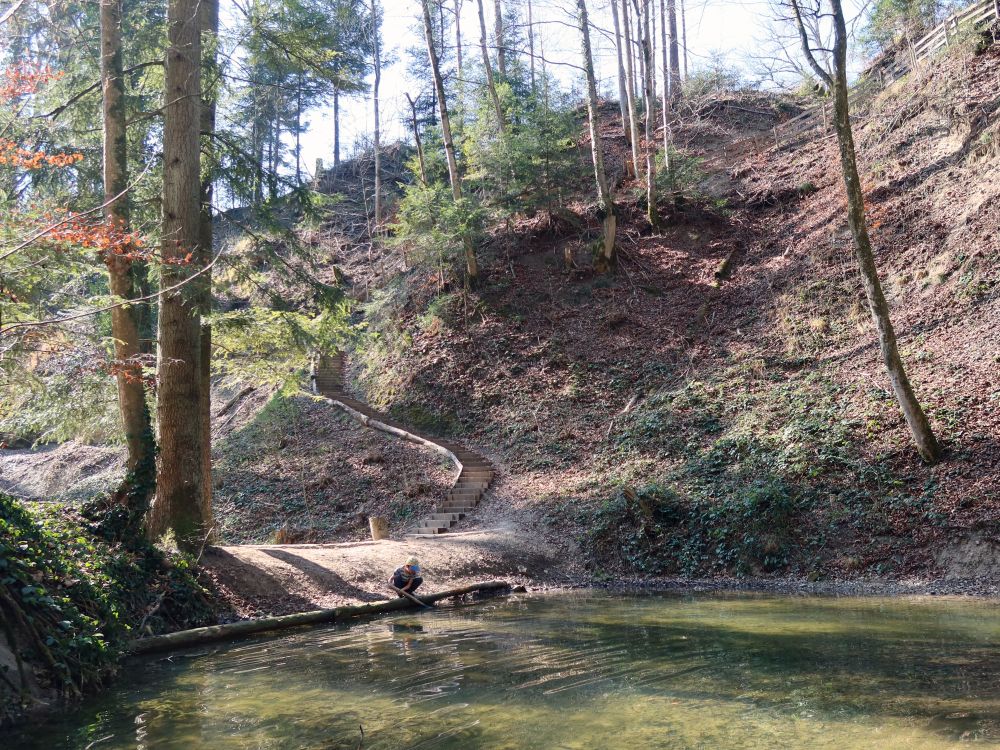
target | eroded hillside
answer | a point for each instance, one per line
(672, 422)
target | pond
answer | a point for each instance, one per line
(582, 670)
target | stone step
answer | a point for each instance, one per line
(464, 485)
(427, 530)
(445, 517)
(439, 525)
(456, 508)
(463, 497)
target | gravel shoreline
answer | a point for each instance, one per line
(974, 588)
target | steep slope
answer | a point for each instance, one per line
(670, 423)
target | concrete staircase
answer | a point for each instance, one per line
(475, 472)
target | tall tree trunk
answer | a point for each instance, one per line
(336, 128)
(458, 42)
(920, 428)
(665, 53)
(298, 132)
(471, 264)
(605, 201)
(500, 39)
(179, 477)
(531, 43)
(675, 60)
(637, 12)
(622, 96)
(416, 138)
(209, 43)
(684, 39)
(650, 94)
(124, 321)
(378, 144)
(490, 83)
(633, 121)
(652, 48)
(275, 158)
(257, 143)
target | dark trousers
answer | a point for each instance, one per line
(398, 582)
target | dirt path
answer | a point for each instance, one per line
(275, 579)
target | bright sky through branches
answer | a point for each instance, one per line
(734, 29)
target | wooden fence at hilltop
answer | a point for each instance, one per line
(818, 118)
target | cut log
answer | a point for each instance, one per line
(379, 528)
(722, 272)
(234, 630)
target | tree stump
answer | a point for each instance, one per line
(379, 527)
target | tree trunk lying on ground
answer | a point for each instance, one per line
(234, 630)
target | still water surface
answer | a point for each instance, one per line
(575, 671)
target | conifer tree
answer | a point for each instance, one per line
(180, 474)
(124, 321)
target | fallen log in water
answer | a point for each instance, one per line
(232, 630)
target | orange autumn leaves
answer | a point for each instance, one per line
(19, 81)
(15, 156)
(109, 239)
(24, 79)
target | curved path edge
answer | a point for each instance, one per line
(475, 473)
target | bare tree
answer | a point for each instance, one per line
(622, 96)
(377, 55)
(684, 39)
(458, 40)
(416, 138)
(605, 201)
(531, 44)
(650, 94)
(640, 58)
(336, 128)
(471, 263)
(836, 80)
(500, 37)
(675, 64)
(490, 83)
(633, 121)
(665, 109)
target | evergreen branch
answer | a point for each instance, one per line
(94, 87)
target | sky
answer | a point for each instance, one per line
(734, 29)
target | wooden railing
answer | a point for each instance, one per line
(939, 37)
(818, 118)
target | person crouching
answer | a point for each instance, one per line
(407, 578)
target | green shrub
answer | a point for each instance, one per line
(70, 600)
(433, 226)
(679, 174)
